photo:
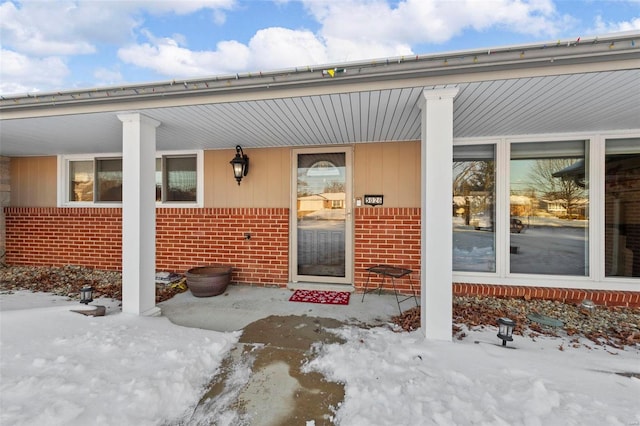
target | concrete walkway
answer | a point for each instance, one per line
(262, 382)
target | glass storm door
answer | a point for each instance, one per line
(322, 226)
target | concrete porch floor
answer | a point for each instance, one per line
(277, 340)
(241, 305)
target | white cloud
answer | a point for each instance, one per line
(107, 77)
(167, 57)
(180, 7)
(75, 27)
(63, 28)
(430, 21)
(277, 48)
(381, 31)
(39, 34)
(22, 74)
(602, 27)
(349, 30)
(268, 49)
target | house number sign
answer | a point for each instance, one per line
(373, 200)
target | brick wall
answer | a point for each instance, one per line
(573, 296)
(387, 236)
(54, 236)
(192, 237)
(184, 238)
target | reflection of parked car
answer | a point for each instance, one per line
(480, 222)
(516, 226)
(484, 224)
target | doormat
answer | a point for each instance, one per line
(318, 296)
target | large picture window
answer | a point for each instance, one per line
(99, 179)
(473, 208)
(547, 212)
(549, 208)
(622, 208)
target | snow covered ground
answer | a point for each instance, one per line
(399, 379)
(58, 367)
(63, 368)
(548, 246)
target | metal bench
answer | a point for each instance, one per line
(392, 272)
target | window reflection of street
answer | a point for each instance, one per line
(548, 195)
(321, 214)
(472, 249)
(473, 208)
(550, 246)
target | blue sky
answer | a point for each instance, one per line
(64, 45)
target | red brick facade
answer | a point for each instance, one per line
(387, 236)
(57, 236)
(187, 237)
(193, 237)
(574, 296)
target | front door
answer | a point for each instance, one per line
(321, 246)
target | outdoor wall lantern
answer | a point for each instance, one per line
(240, 164)
(505, 330)
(86, 295)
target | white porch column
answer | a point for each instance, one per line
(138, 214)
(437, 156)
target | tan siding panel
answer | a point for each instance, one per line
(409, 177)
(391, 169)
(33, 181)
(266, 185)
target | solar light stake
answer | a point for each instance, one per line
(86, 295)
(588, 306)
(505, 330)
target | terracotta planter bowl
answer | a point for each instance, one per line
(206, 281)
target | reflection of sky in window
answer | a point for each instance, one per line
(317, 179)
(323, 168)
(520, 169)
(525, 155)
(317, 185)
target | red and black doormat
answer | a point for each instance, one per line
(319, 296)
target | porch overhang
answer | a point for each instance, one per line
(590, 85)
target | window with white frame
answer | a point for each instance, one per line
(99, 179)
(622, 207)
(80, 180)
(549, 208)
(523, 209)
(473, 208)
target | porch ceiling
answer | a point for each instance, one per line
(595, 101)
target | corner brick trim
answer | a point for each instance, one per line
(567, 295)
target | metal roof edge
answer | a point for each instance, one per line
(592, 49)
